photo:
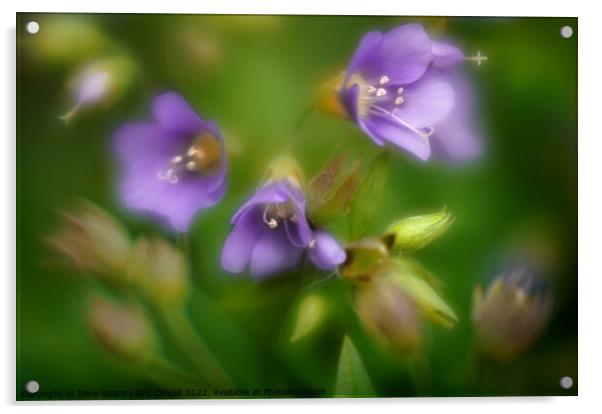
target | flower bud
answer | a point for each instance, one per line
(310, 314)
(99, 84)
(327, 97)
(286, 168)
(364, 257)
(159, 269)
(511, 315)
(413, 233)
(92, 241)
(121, 328)
(389, 314)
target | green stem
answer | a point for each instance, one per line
(194, 348)
(166, 372)
(419, 372)
(302, 119)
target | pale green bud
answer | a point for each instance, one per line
(511, 315)
(159, 269)
(413, 233)
(92, 241)
(121, 328)
(311, 313)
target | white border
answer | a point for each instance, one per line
(590, 205)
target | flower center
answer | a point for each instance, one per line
(283, 214)
(275, 214)
(379, 92)
(202, 156)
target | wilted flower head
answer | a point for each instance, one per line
(92, 241)
(510, 316)
(174, 166)
(397, 90)
(121, 328)
(160, 269)
(99, 84)
(271, 230)
(389, 314)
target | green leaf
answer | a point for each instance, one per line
(339, 201)
(352, 378)
(311, 312)
(369, 194)
(321, 184)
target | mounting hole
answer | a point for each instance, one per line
(32, 387)
(32, 27)
(566, 382)
(566, 32)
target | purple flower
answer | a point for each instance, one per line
(398, 91)
(174, 166)
(271, 232)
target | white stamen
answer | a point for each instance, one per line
(191, 165)
(271, 223)
(312, 243)
(384, 80)
(399, 100)
(290, 237)
(177, 159)
(191, 151)
(422, 134)
(381, 92)
(168, 175)
(400, 90)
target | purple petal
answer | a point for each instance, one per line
(177, 203)
(326, 254)
(445, 55)
(146, 145)
(270, 193)
(456, 142)
(458, 137)
(365, 52)
(349, 97)
(399, 135)
(239, 244)
(273, 253)
(427, 101)
(403, 54)
(174, 113)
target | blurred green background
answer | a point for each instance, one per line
(255, 75)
